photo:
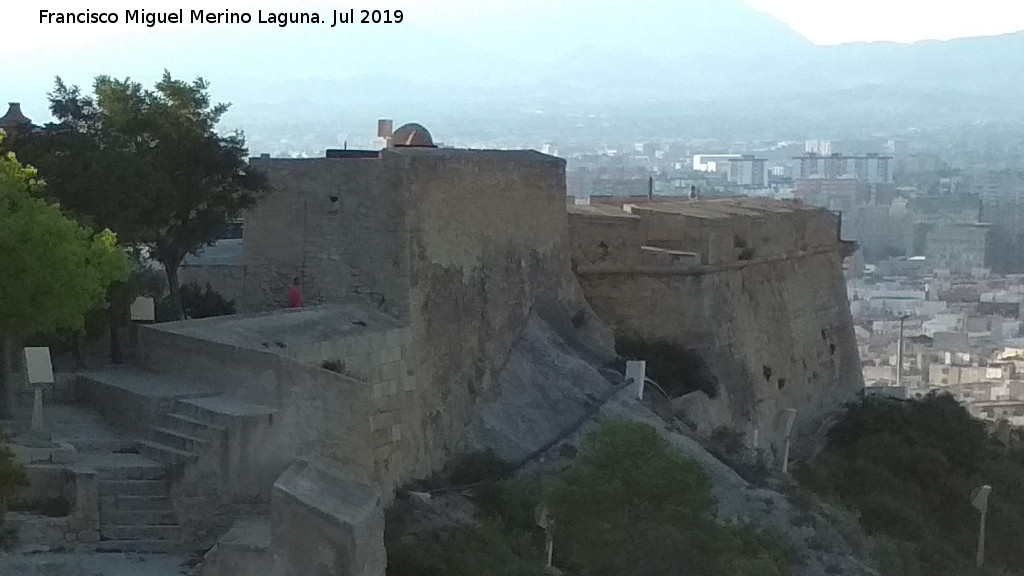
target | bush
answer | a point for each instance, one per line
(482, 466)
(630, 504)
(12, 477)
(908, 470)
(488, 549)
(197, 303)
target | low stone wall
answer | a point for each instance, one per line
(325, 523)
(79, 531)
(320, 414)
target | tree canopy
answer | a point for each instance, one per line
(148, 164)
(55, 271)
(908, 469)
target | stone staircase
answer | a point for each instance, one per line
(177, 424)
(180, 437)
(135, 510)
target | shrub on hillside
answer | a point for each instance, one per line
(197, 303)
(908, 469)
(630, 504)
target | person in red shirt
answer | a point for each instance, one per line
(295, 295)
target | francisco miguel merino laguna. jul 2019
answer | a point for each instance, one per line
(282, 19)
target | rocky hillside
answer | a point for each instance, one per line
(557, 388)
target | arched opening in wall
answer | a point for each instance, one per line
(676, 369)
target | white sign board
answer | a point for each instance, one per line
(636, 370)
(979, 499)
(143, 309)
(790, 418)
(39, 365)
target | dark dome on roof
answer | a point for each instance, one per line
(14, 118)
(412, 135)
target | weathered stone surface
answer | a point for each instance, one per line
(773, 325)
(324, 523)
(703, 412)
(244, 549)
(547, 386)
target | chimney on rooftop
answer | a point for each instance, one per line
(385, 129)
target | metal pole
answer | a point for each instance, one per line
(981, 541)
(979, 499)
(790, 418)
(550, 547)
(899, 354)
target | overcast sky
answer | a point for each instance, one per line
(840, 21)
(821, 21)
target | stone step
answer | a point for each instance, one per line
(222, 411)
(193, 426)
(103, 445)
(130, 503)
(179, 440)
(142, 472)
(131, 398)
(141, 546)
(138, 517)
(133, 487)
(165, 454)
(162, 532)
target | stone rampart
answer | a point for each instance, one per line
(456, 245)
(336, 223)
(771, 326)
(488, 241)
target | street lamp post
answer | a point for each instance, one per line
(899, 353)
(979, 499)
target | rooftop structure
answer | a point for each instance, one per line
(14, 118)
(412, 135)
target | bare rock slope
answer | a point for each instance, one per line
(558, 383)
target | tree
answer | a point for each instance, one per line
(200, 179)
(54, 270)
(148, 164)
(630, 505)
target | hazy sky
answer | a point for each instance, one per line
(840, 21)
(821, 21)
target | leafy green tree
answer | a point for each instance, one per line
(54, 270)
(148, 164)
(631, 505)
(908, 469)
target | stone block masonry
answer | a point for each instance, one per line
(765, 308)
(456, 245)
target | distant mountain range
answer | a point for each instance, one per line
(648, 56)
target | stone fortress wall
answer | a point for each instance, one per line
(421, 268)
(337, 224)
(753, 288)
(456, 245)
